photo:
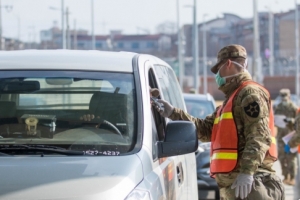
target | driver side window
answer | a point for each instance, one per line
(158, 122)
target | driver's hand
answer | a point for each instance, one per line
(88, 117)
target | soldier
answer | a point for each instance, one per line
(241, 132)
(287, 160)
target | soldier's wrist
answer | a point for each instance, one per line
(175, 112)
(246, 171)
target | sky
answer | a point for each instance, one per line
(130, 16)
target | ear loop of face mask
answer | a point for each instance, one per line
(238, 64)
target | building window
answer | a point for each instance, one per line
(98, 45)
(135, 45)
(150, 44)
(120, 45)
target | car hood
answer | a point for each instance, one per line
(69, 177)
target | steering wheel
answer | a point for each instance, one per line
(110, 125)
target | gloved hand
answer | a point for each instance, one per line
(287, 148)
(168, 108)
(242, 185)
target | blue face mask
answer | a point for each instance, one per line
(220, 80)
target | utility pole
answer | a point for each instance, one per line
(204, 57)
(195, 48)
(297, 74)
(93, 34)
(63, 25)
(75, 36)
(1, 45)
(68, 29)
(271, 43)
(257, 72)
(297, 47)
(179, 49)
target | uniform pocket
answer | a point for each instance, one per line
(267, 187)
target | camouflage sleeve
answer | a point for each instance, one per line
(204, 126)
(255, 117)
(295, 140)
(290, 125)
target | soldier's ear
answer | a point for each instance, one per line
(229, 64)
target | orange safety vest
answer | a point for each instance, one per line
(224, 139)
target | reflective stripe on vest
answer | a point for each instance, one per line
(224, 139)
(227, 115)
(226, 156)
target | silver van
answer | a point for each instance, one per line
(80, 125)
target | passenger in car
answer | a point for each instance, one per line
(241, 131)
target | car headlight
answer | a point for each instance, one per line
(137, 194)
(205, 146)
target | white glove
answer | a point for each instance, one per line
(168, 108)
(242, 185)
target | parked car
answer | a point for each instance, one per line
(92, 133)
(201, 105)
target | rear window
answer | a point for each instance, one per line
(82, 111)
(199, 108)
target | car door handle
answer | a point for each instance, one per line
(180, 176)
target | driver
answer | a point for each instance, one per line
(154, 92)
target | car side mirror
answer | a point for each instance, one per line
(180, 138)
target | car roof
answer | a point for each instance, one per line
(92, 60)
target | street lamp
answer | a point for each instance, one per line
(62, 22)
(204, 56)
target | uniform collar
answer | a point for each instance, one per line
(229, 87)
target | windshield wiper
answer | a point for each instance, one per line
(39, 148)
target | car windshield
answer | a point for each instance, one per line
(74, 110)
(199, 108)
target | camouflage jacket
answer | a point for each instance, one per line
(252, 127)
(290, 111)
(295, 140)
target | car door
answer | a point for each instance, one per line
(185, 164)
(168, 169)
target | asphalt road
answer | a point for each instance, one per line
(289, 190)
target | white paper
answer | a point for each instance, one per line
(278, 121)
(287, 138)
(294, 150)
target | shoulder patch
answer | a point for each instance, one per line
(252, 110)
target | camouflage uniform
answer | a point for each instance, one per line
(253, 136)
(287, 160)
(295, 140)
